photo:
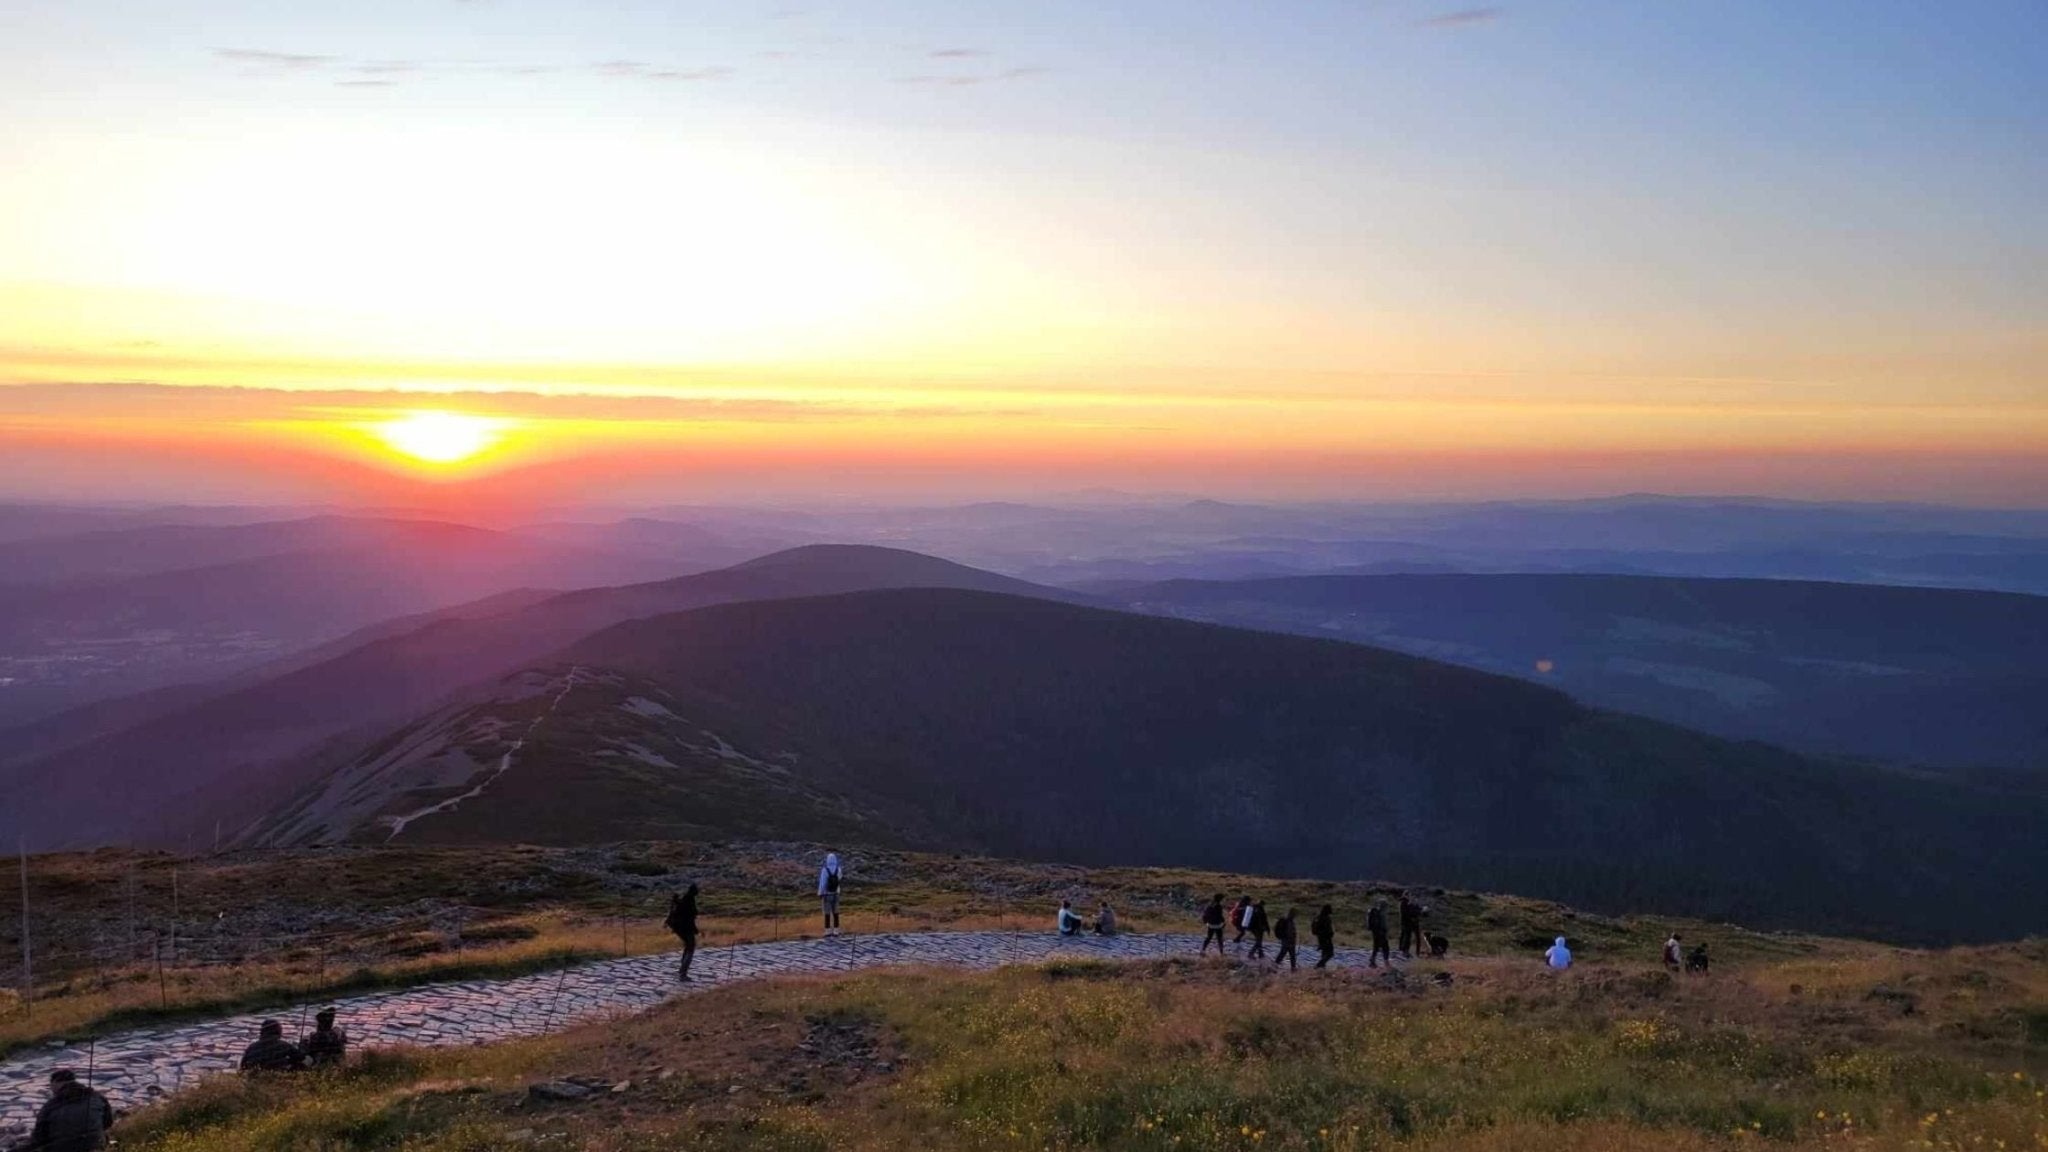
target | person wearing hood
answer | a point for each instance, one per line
(682, 920)
(1376, 923)
(1283, 932)
(830, 878)
(1212, 925)
(1258, 926)
(1560, 956)
(1324, 929)
(272, 1052)
(327, 1047)
(74, 1119)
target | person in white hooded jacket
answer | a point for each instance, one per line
(829, 880)
(1559, 956)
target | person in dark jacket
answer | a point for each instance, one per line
(1258, 926)
(327, 1047)
(1411, 925)
(1376, 923)
(1241, 918)
(682, 920)
(74, 1119)
(1283, 931)
(1212, 925)
(272, 1052)
(1324, 929)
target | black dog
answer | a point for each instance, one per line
(1439, 944)
(1697, 961)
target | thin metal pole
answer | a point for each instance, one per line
(28, 966)
(174, 914)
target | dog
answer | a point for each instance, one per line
(1439, 944)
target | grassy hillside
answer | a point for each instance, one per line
(1886, 1053)
(1927, 675)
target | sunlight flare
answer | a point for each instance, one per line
(441, 437)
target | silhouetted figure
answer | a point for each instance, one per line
(327, 1047)
(74, 1119)
(1439, 944)
(1324, 929)
(1071, 923)
(1258, 926)
(1212, 925)
(1241, 918)
(830, 880)
(1411, 926)
(1697, 962)
(1105, 921)
(682, 920)
(1376, 923)
(1283, 933)
(272, 1052)
(1559, 956)
(1674, 953)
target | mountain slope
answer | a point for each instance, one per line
(967, 720)
(168, 779)
(1911, 675)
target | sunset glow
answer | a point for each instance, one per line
(440, 437)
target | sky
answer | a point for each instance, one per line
(1374, 250)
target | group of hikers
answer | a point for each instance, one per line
(1249, 918)
(76, 1118)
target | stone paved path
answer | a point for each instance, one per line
(133, 1068)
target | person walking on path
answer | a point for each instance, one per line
(1283, 931)
(327, 1047)
(272, 1052)
(1376, 923)
(682, 920)
(1411, 926)
(829, 880)
(1258, 926)
(1559, 957)
(1324, 929)
(1212, 925)
(1241, 918)
(74, 1119)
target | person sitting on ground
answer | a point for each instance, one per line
(1376, 923)
(272, 1052)
(1212, 925)
(1070, 920)
(1559, 956)
(1283, 932)
(1438, 945)
(1324, 929)
(1258, 926)
(1241, 918)
(1697, 962)
(682, 920)
(327, 1047)
(1105, 921)
(74, 1119)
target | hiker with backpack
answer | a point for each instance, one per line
(1674, 954)
(682, 920)
(1241, 918)
(1212, 925)
(1324, 929)
(830, 878)
(1257, 924)
(1376, 923)
(1283, 931)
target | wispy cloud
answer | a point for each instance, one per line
(268, 59)
(956, 53)
(968, 81)
(366, 83)
(1462, 18)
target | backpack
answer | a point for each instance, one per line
(832, 882)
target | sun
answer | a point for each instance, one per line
(440, 437)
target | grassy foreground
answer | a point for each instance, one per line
(1901, 1050)
(243, 932)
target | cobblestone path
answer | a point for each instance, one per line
(133, 1068)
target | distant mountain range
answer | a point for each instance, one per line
(1908, 675)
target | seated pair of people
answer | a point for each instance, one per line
(327, 1046)
(1071, 923)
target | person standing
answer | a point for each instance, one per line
(1258, 926)
(682, 920)
(1411, 926)
(1241, 918)
(830, 878)
(1674, 953)
(1559, 957)
(1324, 929)
(327, 1047)
(1212, 925)
(74, 1119)
(1376, 923)
(1283, 931)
